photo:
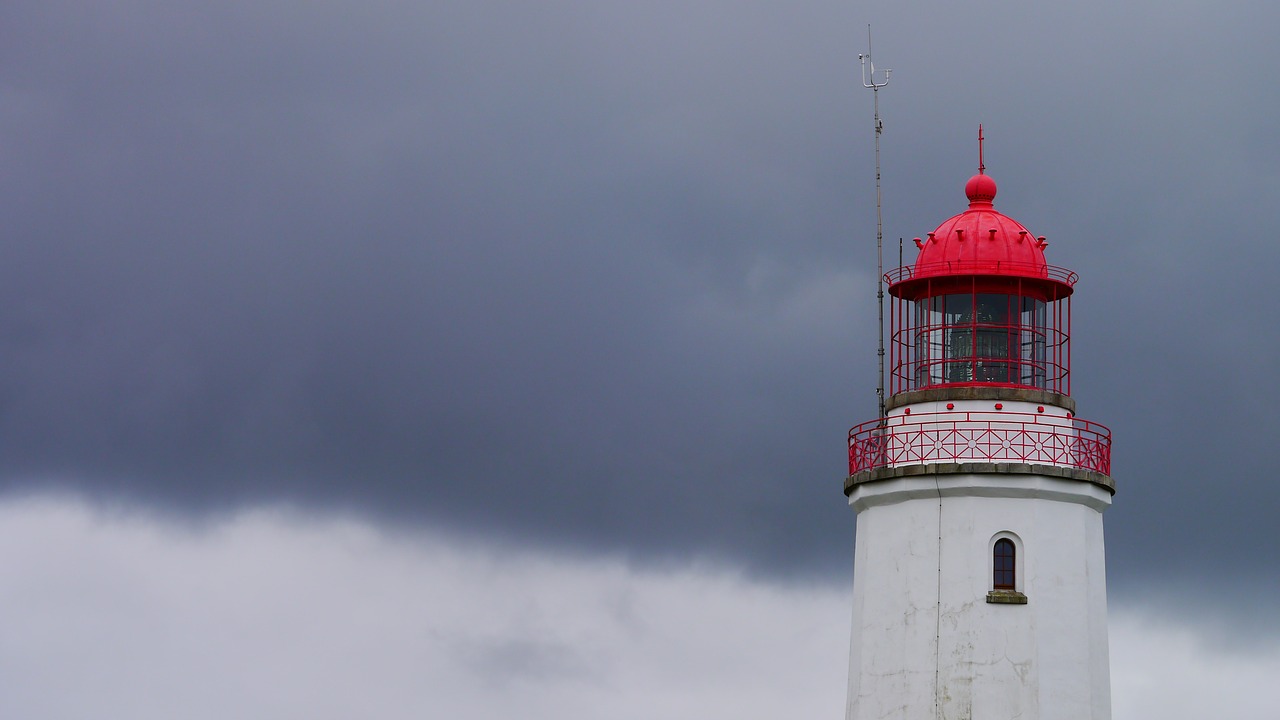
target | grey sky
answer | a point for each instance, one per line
(600, 276)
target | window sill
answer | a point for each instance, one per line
(1006, 597)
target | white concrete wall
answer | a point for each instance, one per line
(921, 620)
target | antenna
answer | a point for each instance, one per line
(869, 81)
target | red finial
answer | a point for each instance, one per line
(980, 189)
(982, 168)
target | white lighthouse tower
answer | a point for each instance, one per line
(979, 581)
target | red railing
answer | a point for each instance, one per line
(974, 267)
(957, 437)
(972, 334)
(925, 355)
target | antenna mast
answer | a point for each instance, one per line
(869, 81)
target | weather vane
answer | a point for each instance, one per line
(869, 68)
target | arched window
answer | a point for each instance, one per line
(1004, 572)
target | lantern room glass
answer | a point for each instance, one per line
(983, 338)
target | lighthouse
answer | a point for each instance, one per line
(979, 572)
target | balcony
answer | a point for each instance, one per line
(980, 437)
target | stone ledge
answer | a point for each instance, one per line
(947, 392)
(979, 468)
(1006, 597)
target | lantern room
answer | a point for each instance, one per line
(981, 306)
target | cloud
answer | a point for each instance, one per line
(599, 277)
(1160, 668)
(272, 613)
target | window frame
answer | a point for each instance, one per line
(1004, 593)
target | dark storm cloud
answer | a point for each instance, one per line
(602, 276)
(541, 271)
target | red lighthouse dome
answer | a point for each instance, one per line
(981, 237)
(981, 306)
(982, 241)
